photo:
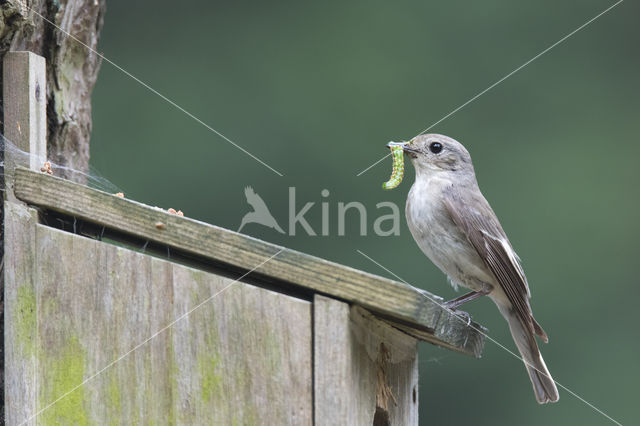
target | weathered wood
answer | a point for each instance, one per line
(243, 357)
(72, 68)
(365, 371)
(412, 309)
(25, 124)
(25, 107)
(20, 317)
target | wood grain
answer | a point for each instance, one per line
(365, 371)
(25, 105)
(20, 316)
(25, 125)
(25, 113)
(242, 357)
(413, 310)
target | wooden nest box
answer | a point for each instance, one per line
(121, 313)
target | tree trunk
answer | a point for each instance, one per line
(72, 69)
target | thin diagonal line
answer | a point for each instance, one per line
(154, 91)
(374, 164)
(470, 325)
(144, 342)
(521, 66)
(506, 77)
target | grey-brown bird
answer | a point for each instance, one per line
(456, 228)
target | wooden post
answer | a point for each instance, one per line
(25, 107)
(25, 127)
(72, 69)
(20, 314)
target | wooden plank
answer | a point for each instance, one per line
(25, 107)
(20, 316)
(365, 372)
(243, 357)
(262, 355)
(414, 309)
(24, 103)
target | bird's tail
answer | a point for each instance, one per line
(543, 385)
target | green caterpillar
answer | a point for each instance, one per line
(398, 165)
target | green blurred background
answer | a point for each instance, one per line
(316, 89)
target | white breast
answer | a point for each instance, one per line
(439, 238)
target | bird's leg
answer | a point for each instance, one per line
(459, 301)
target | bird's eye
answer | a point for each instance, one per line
(435, 147)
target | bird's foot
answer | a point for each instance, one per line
(464, 316)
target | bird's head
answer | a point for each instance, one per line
(432, 153)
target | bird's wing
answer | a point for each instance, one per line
(473, 215)
(254, 200)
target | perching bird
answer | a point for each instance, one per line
(456, 228)
(260, 213)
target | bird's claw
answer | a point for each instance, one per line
(460, 314)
